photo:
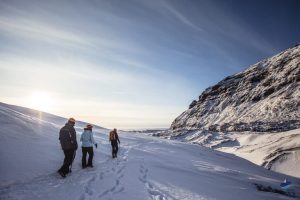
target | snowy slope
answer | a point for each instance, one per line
(42, 117)
(28, 137)
(147, 168)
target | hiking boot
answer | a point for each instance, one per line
(63, 175)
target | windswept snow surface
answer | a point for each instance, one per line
(146, 168)
(279, 152)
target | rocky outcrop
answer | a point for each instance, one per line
(265, 97)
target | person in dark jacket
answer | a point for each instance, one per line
(114, 140)
(68, 142)
(87, 140)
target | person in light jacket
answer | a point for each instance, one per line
(87, 140)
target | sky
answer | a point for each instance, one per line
(133, 64)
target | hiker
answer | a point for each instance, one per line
(114, 139)
(88, 141)
(68, 142)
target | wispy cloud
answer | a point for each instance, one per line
(210, 27)
(39, 31)
(57, 70)
(181, 17)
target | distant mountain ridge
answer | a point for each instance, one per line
(264, 97)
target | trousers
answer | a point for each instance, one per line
(68, 160)
(115, 148)
(85, 151)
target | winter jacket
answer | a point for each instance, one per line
(113, 136)
(67, 137)
(87, 138)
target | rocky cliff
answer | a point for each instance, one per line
(264, 97)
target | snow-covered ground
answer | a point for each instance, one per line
(279, 152)
(146, 168)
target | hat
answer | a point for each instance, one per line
(71, 120)
(89, 126)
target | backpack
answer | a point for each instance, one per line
(112, 136)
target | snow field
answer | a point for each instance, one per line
(146, 168)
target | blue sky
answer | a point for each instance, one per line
(133, 63)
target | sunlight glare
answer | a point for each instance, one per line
(42, 101)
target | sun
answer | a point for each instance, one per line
(42, 101)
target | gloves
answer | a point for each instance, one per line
(96, 145)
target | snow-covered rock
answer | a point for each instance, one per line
(265, 97)
(262, 102)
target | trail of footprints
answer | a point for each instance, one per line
(88, 191)
(153, 192)
(117, 170)
(117, 187)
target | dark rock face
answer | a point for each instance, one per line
(265, 97)
(193, 104)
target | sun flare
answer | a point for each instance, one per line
(41, 101)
